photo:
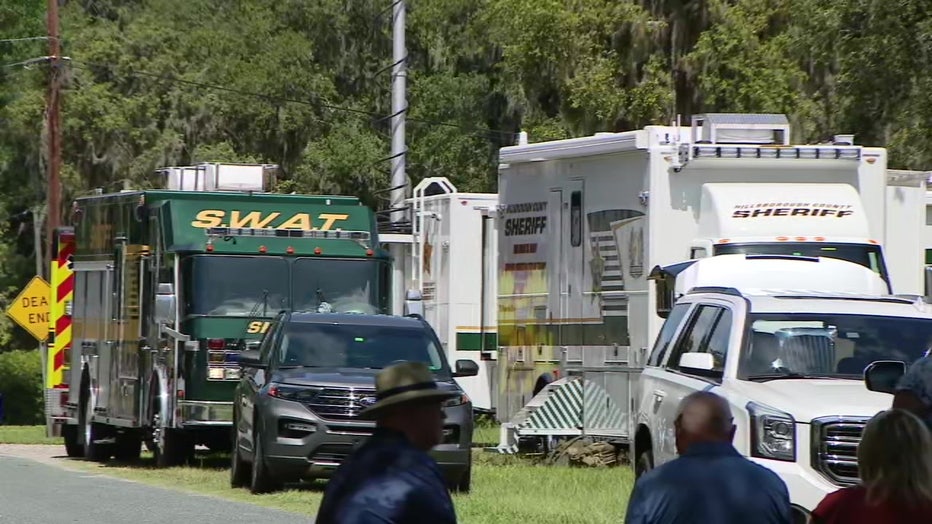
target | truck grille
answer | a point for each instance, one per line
(835, 447)
(341, 403)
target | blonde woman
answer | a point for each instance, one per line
(895, 462)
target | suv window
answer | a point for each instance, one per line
(666, 333)
(708, 332)
(357, 346)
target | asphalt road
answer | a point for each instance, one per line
(34, 491)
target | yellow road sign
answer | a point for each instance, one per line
(30, 309)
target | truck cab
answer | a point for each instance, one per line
(790, 361)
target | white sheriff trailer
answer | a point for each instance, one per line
(446, 267)
(582, 222)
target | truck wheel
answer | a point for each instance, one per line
(73, 447)
(645, 463)
(93, 433)
(464, 484)
(128, 447)
(172, 447)
(261, 480)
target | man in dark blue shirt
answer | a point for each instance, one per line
(391, 478)
(710, 482)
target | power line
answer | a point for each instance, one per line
(276, 98)
(24, 39)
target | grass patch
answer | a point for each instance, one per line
(26, 435)
(506, 489)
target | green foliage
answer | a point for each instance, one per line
(21, 387)
(306, 85)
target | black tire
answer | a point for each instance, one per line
(73, 447)
(240, 474)
(645, 463)
(92, 433)
(464, 484)
(173, 447)
(261, 480)
(128, 447)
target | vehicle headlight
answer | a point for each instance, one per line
(773, 433)
(456, 401)
(289, 392)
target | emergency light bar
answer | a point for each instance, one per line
(800, 152)
(362, 236)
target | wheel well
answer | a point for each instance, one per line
(84, 393)
(641, 440)
(542, 382)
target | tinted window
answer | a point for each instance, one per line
(866, 255)
(833, 345)
(354, 346)
(666, 333)
(718, 341)
(233, 286)
(345, 286)
(701, 324)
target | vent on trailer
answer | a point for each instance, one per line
(736, 128)
(220, 177)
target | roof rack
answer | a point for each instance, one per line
(715, 289)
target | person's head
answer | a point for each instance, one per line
(703, 417)
(409, 402)
(895, 459)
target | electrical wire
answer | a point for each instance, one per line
(80, 64)
(25, 39)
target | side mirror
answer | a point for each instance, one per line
(700, 363)
(466, 368)
(165, 307)
(253, 345)
(882, 376)
(414, 303)
(250, 359)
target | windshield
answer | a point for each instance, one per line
(829, 345)
(345, 286)
(355, 346)
(864, 254)
(235, 286)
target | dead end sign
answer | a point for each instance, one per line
(30, 309)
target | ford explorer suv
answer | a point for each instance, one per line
(297, 402)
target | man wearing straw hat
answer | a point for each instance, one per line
(391, 478)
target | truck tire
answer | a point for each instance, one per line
(93, 432)
(128, 447)
(645, 463)
(173, 447)
(261, 480)
(73, 447)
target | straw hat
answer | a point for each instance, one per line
(401, 383)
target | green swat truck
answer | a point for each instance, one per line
(172, 284)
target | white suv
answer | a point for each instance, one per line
(790, 364)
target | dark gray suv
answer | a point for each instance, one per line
(296, 404)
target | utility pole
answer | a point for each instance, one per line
(53, 124)
(399, 109)
(399, 151)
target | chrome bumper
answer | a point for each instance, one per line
(203, 413)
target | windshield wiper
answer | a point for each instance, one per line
(789, 375)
